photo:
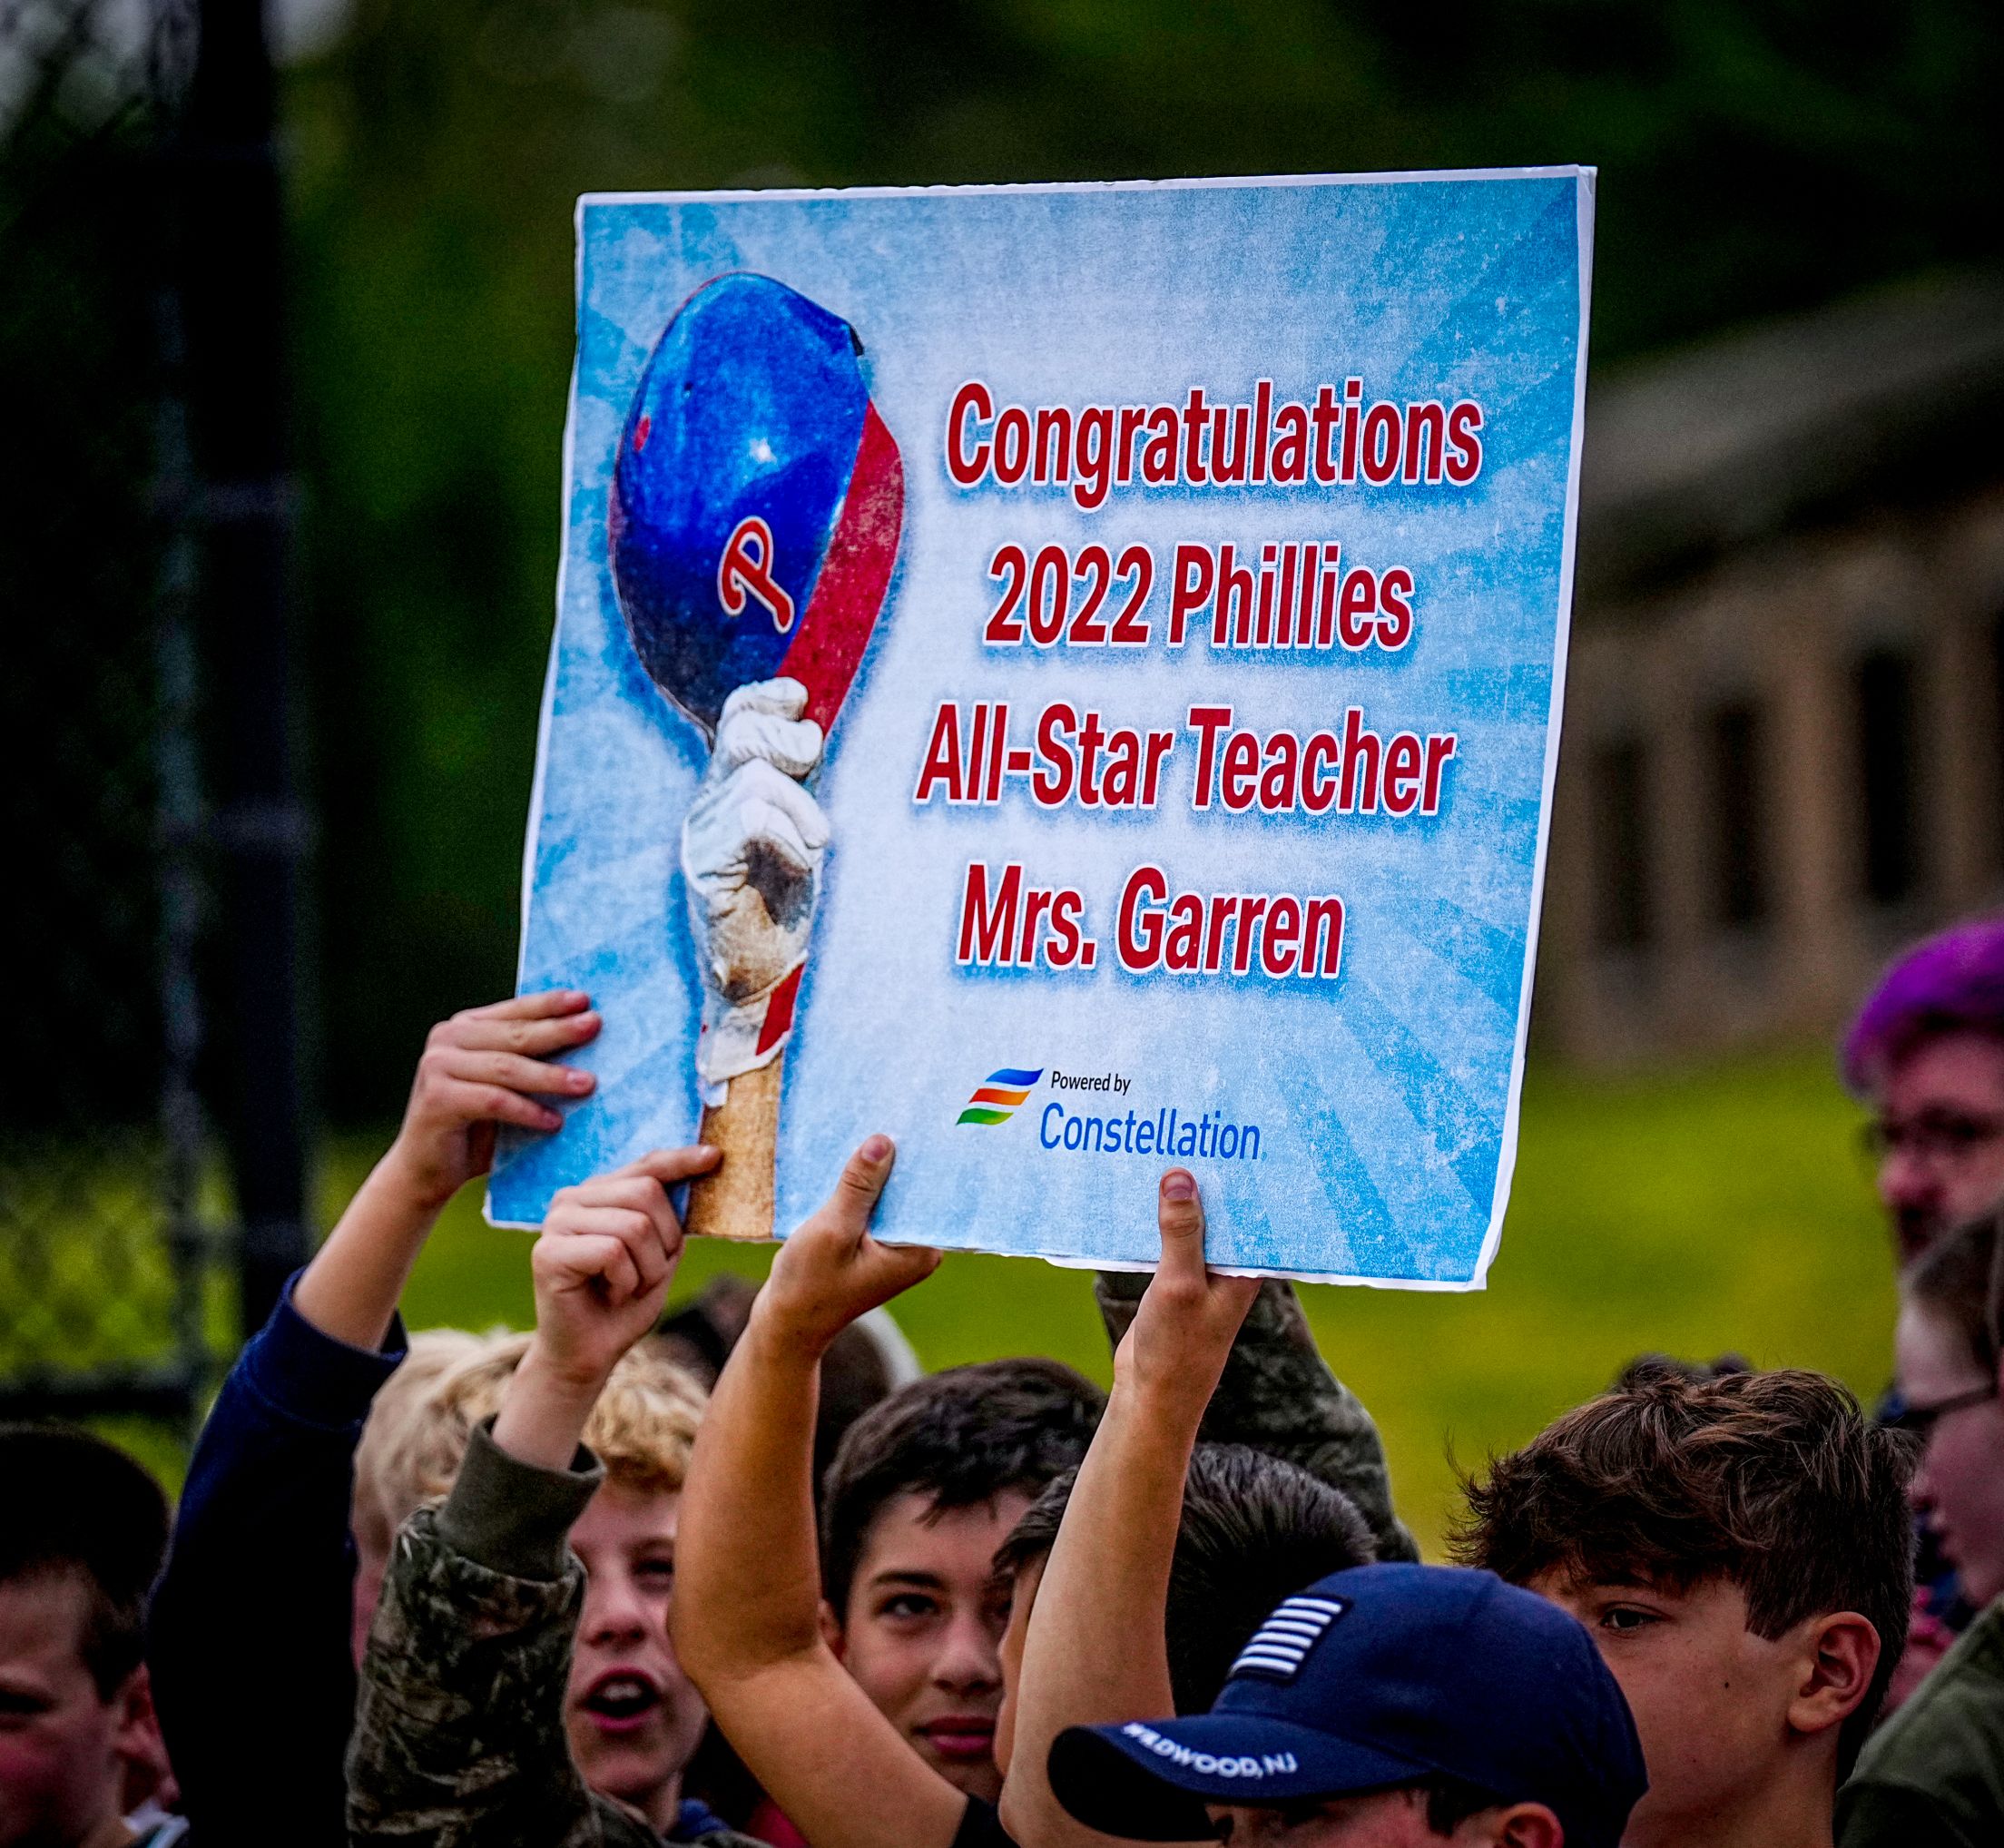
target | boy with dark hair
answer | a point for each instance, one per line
(80, 1546)
(922, 1490)
(264, 1520)
(1739, 1548)
(931, 1479)
(746, 1622)
(955, 1437)
(1090, 1624)
(1251, 1528)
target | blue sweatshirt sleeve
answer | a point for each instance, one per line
(248, 1643)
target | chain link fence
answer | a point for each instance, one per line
(104, 1247)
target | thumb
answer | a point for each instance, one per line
(1179, 1213)
(862, 1186)
(897, 1267)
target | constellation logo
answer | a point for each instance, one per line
(998, 1095)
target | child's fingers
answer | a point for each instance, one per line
(535, 1038)
(1179, 1213)
(594, 1242)
(640, 1231)
(619, 1188)
(472, 1103)
(643, 1194)
(631, 1209)
(835, 1230)
(570, 1255)
(512, 1072)
(637, 1193)
(671, 1165)
(539, 1006)
(621, 1269)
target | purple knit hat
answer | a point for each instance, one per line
(1952, 982)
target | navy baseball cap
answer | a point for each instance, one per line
(1379, 1675)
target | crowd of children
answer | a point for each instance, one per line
(725, 1581)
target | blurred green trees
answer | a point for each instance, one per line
(1755, 155)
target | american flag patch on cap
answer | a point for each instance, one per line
(1281, 1645)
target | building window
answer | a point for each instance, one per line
(1740, 887)
(1886, 743)
(1623, 918)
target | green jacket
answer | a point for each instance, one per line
(459, 1738)
(1933, 1775)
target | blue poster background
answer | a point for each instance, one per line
(1386, 1099)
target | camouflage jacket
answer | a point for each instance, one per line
(1279, 1395)
(459, 1738)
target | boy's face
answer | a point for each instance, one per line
(1960, 1483)
(634, 1717)
(922, 1628)
(63, 1747)
(1710, 1699)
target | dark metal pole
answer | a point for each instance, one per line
(233, 303)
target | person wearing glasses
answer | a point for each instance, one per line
(1927, 1053)
(1934, 1773)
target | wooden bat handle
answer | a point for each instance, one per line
(735, 1200)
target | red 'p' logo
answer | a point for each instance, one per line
(746, 570)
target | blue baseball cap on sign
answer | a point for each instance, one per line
(756, 500)
(1377, 1676)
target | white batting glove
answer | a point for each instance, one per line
(751, 849)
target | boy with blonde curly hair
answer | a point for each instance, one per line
(527, 1611)
(395, 1460)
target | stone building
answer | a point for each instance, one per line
(1783, 743)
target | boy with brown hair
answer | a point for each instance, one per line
(820, 1741)
(924, 1488)
(80, 1544)
(1739, 1547)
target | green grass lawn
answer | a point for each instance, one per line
(1689, 1212)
